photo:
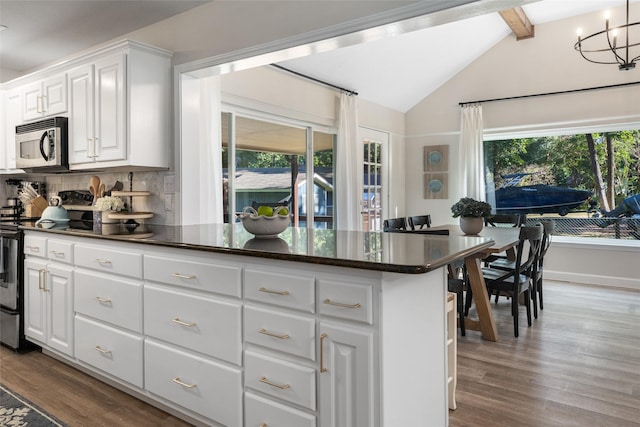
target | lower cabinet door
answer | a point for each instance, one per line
(347, 386)
(114, 351)
(201, 385)
(263, 412)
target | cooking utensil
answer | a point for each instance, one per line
(94, 186)
(101, 190)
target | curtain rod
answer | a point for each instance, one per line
(562, 92)
(348, 91)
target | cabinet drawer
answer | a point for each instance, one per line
(109, 299)
(109, 260)
(283, 332)
(260, 411)
(222, 279)
(111, 350)
(280, 289)
(196, 322)
(36, 246)
(285, 380)
(346, 300)
(60, 251)
(198, 384)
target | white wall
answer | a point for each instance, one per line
(543, 64)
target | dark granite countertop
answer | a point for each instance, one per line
(393, 252)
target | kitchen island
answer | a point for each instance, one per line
(316, 327)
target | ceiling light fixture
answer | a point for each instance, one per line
(598, 47)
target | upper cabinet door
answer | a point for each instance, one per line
(45, 98)
(110, 103)
(81, 127)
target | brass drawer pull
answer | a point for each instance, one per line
(322, 368)
(102, 350)
(184, 276)
(271, 334)
(183, 323)
(57, 253)
(34, 248)
(273, 292)
(280, 386)
(178, 381)
(103, 300)
(340, 304)
(103, 261)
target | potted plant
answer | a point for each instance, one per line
(472, 213)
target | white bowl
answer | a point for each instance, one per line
(264, 227)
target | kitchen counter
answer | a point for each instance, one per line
(392, 252)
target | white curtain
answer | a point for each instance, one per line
(349, 166)
(472, 153)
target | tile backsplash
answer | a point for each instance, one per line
(142, 181)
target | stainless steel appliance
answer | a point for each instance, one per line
(11, 287)
(43, 146)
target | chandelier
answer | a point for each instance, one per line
(603, 47)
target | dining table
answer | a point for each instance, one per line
(505, 239)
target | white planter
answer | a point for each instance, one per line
(470, 225)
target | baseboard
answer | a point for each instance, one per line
(591, 279)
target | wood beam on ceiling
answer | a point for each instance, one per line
(519, 23)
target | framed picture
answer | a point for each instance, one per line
(436, 175)
(436, 158)
(436, 185)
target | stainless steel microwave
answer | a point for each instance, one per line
(42, 146)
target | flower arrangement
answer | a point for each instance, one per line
(468, 207)
(108, 203)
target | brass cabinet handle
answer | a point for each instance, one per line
(271, 334)
(34, 248)
(280, 386)
(273, 292)
(102, 350)
(57, 253)
(184, 276)
(44, 103)
(183, 323)
(178, 381)
(103, 261)
(322, 368)
(103, 300)
(40, 278)
(340, 304)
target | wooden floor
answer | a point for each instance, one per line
(578, 365)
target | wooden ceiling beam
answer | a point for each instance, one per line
(519, 23)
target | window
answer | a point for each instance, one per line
(588, 182)
(271, 167)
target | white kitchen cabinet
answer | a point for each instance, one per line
(12, 116)
(119, 108)
(97, 110)
(44, 98)
(49, 304)
(346, 376)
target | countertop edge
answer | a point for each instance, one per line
(309, 259)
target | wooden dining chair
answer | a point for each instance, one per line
(506, 220)
(418, 222)
(516, 282)
(394, 224)
(538, 269)
(456, 285)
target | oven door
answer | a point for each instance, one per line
(9, 270)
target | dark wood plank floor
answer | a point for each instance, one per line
(578, 365)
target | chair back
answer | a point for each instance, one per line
(513, 220)
(394, 224)
(549, 228)
(533, 235)
(421, 221)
